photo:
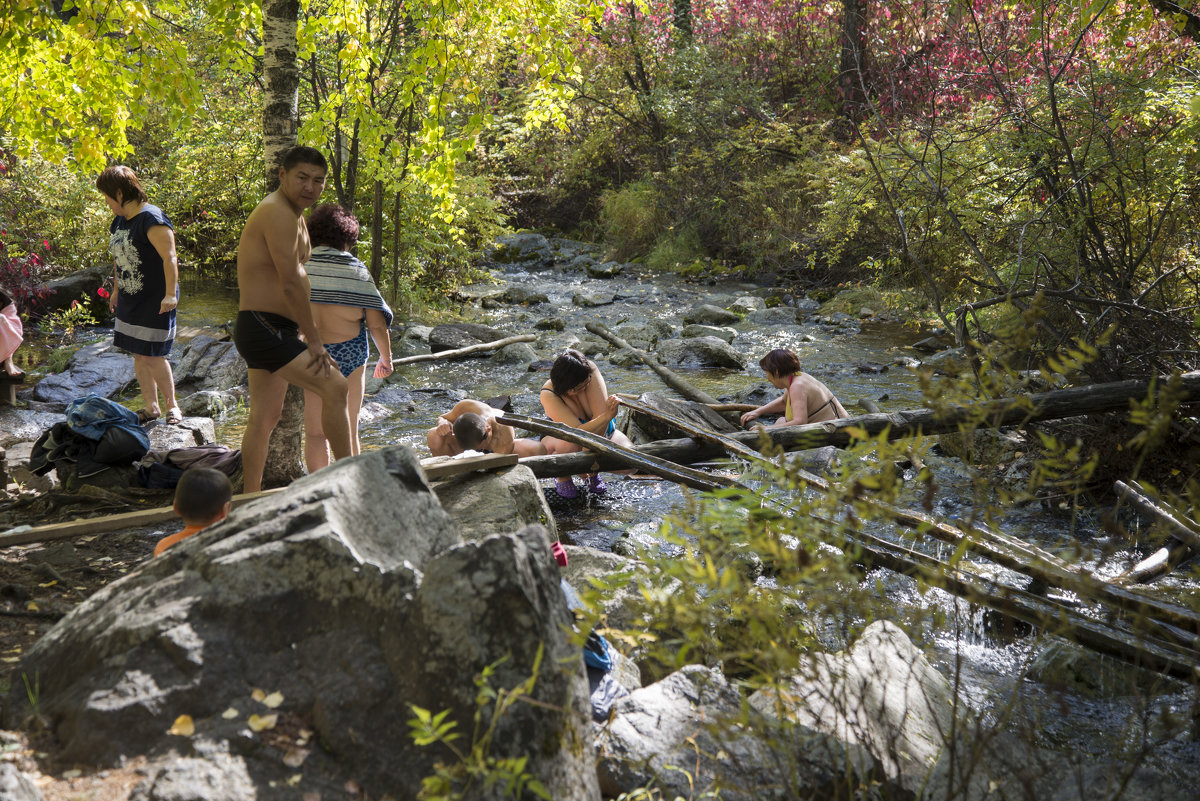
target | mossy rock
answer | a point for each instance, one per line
(850, 301)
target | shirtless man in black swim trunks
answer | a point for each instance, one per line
(274, 312)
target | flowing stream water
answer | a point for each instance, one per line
(857, 359)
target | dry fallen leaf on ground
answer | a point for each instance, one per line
(295, 757)
(183, 726)
(230, 714)
(273, 700)
(258, 723)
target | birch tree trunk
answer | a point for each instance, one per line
(281, 71)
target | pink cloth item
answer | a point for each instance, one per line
(11, 331)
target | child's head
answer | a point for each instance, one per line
(780, 362)
(203, 496)
(570, 370)
(470, 430)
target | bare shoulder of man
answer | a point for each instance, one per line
(282, 234)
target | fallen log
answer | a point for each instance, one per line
(919, 422)
(626, 457)
(1164, 560)
(433, 469)
(1140, 650)
(467, 351)
(672, 380)
(1157, 564)
(716, 407)
(1176, 527)
(696, 432)
(107, 523)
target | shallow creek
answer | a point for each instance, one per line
(848, 354)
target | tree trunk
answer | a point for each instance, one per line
(850, 71)
(285, 452)
(682, 21)
(281, 72)
(377, 233)
(281, 65)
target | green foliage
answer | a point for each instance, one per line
(631, 218)
(476, 768)
(75, 79)
(66, 321)
(767, 576)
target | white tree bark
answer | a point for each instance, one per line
(281, 71)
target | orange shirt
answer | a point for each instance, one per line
(167, 542)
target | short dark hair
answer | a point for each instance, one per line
(303, 154)
(121, 183)
(570, 369)
(332, 226)
(470, 430)
(201, 494)
(780, 361)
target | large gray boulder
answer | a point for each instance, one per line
(212, 774)
(187, 433)
(700, 352)
(24, 425)
(494, 502)
(624, 578)
(529, 250)
(208, 363)
(349, 594)
(16, 786)
(65, 290)
(97, 368)
(708, 314)
(882, 694)
(452, 336)
(689, 736)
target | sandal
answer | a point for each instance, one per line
(146, 417)
(566, 488)
(595, 485)
(174, 416)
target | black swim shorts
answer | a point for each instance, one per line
(267, 341)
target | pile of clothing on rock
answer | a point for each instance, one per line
(102, 443)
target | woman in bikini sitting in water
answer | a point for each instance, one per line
(577, 396)
(804, 400)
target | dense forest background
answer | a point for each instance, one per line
(1028, 169)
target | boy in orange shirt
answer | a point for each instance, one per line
(202, 497)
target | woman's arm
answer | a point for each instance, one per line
(112, 299)
(770, 407)
(558, 411)
(163, 239)
(377, 325)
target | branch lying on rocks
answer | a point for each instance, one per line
(625, 457)
(672, 380)
(1186, 538)
(467, 351)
